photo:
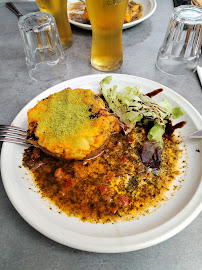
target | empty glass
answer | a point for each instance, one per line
(44, 55)
(180, 51)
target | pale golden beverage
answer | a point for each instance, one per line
(106, 17)
(58, 9)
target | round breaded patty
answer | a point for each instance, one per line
(71, 124)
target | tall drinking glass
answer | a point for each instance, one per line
(106, 17)
(58, 9)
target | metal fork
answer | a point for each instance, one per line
(18, 135)
(13, 134)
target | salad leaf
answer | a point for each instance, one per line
(151, 154)
(177, 112)
(156, 133)
(131, 106)
(174, 112)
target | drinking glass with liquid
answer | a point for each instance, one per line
(58, 9)
(106, 17)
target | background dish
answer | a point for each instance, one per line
(149, 6)
(172, 217)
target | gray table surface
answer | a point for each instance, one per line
(21, 246)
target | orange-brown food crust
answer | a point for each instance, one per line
(71, 124)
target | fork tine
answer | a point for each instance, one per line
(7, 127)
(9, 132)
(13, 134)
(10, 140)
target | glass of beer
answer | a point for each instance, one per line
(58, 9)
(106, 17)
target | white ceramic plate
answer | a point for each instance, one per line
(165, 222)
(149, 6)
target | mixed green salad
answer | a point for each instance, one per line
(131, 106)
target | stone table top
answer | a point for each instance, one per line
(21, 246)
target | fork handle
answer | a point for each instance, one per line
(13, 8)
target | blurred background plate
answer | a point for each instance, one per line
(149, 6)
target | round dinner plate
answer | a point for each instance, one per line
(174, 215)
(149, 6)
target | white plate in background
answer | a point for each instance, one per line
(149, 6)
(149, 230)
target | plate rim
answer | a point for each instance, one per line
(186, 218)
(125, 25)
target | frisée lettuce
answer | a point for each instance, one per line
(131, 106)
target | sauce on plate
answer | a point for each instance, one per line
(115, 186)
